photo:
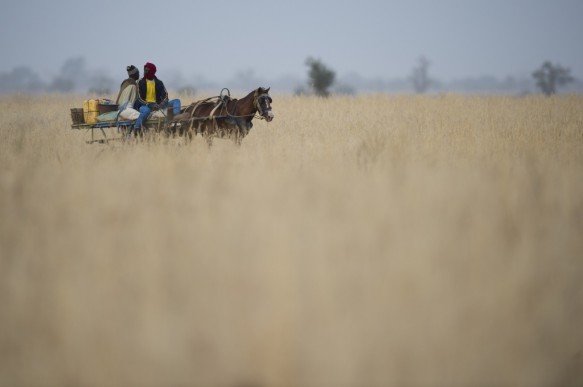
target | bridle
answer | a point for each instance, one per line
(259, 101)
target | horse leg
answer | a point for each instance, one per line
(240, 133)
(167, 131)
(209, 140)
(237, 138)
(187, 133)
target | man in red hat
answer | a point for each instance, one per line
(152, 95)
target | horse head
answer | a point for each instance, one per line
(262, 102)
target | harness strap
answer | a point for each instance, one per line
(212, 113)
(194, 108)
(192, 113)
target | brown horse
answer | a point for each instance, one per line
(224, 117)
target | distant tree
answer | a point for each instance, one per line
(61, 85)
(344, 89)
(550, 76)
(320, 77)
(101, 84)
(75, 69)
(21, 79)
(96, 90)
(188, 91)
(420, 77)
(73, 75)
(300, 90)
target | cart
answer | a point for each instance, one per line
(122, 127)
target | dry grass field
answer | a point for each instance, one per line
(354, 241)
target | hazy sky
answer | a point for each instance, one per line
(219, 39)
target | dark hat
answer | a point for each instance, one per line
(132, 70)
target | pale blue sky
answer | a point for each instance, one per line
(218, 39)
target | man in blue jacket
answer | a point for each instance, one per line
(152, 95)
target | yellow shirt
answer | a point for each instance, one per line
(150, 91)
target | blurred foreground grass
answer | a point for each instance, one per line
(364, 241)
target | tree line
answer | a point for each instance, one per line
(321, 80)
(549, 77)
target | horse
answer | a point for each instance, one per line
(224, 117)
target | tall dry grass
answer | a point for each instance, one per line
(354, 241)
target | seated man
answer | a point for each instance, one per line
(152, 95)
(126, 97)
(126, 94)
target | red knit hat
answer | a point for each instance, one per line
(151, 70)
